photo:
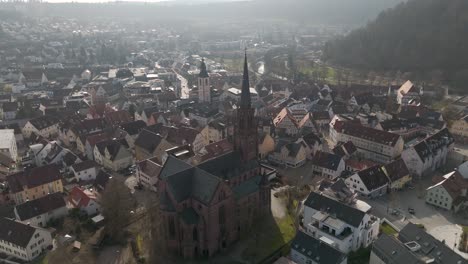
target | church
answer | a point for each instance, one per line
(205, 207)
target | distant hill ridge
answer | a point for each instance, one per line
(426, 36)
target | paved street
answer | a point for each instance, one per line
(185, 91)
(440, 223)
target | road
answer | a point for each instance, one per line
(442, 224)
(184, 89)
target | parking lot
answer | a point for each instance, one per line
(442, 224)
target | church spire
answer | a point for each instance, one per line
(245, 95)
(203, 72)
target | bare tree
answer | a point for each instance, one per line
(117, 204)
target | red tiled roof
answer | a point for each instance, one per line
(367, 133)
(80, 198)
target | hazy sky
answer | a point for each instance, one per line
(152, 1)
(99, 1)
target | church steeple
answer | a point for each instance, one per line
(245, 95)
(245, 133)
(203, 72)
(204, 86)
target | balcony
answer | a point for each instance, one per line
(314, 228)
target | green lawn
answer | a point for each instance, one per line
(272, 235)
(361, 256)
(41, 260)
(387, 229)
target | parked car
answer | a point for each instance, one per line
(411, 210)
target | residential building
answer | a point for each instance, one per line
(157, 118)
(428, 155)
(41, 211)
(459, 129)
(8, 145)
(44, 126)
(33, 78)
(327, 165)
(34, 183)
(371, 182)
(345, 150)
(48, 153)
(23, 241)
(306, 249)
(116, 118)
(146, 113)
(205, 207)
(314, 144)
(215, 131)
(132, 129)
(450, 191)
(85, 200)
(85, 171)
(185, 136)
(408, 92)
(376, 145)
(290, 154)
(9, 110)
(285, 123)
(345, 227)
(413, 245)
(266, 145)
(150, 144)
(397, 173)
(113, 155)
(148, 172)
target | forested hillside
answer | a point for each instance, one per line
(425, 36)
(349, 12)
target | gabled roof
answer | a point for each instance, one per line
(373, 177)
(85, 165)
(117, 117)
(133, 127)
(326, 160)
(33, 177)
(80, 198)
(345, 149)
(430, 247)
(345, 213)
(43, 122)
(396, 170)
(201, 182)
(285, 113)
(407, 87)
(151, 167)
(316, 250)
(216, 149)
(367, 133)
(148, 140)
(433, 143)
(193, 182)
(40, 206)
(394, 251)
(181, 135)
(16, 232)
